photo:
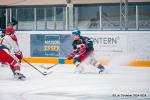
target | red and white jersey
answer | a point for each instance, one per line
(10, 44)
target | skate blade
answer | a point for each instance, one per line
(19, 79)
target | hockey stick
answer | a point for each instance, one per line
(43, 73)
(49, 66)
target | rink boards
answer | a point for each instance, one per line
(136, 63)
(128, 47)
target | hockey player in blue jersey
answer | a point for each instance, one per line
(82, 49)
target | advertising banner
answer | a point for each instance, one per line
(50, 45)
(109, 42)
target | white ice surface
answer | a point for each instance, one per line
(121, 82)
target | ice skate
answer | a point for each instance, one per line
(19, 76)
(79, 68)
(101, 68)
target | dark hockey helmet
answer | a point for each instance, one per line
(76, 32)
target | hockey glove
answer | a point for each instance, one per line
(81, 46)
(19, 55)
(71, 56)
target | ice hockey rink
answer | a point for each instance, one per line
(117, 82)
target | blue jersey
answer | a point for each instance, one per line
(83, 40)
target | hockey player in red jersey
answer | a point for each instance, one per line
(82, 49)
(12, 31)
(13, 36)
(10, 53)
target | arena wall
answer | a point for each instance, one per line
(130, 46)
